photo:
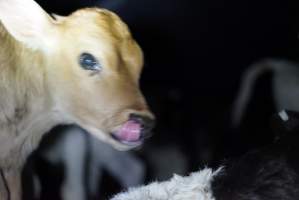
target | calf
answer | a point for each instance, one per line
(284, 85)
(81, 69)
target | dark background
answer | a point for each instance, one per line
(195, 53)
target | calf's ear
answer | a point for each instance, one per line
(27, 23)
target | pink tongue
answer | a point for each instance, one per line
(130, 131)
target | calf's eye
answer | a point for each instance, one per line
(89, 62)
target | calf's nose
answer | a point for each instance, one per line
(147, 124)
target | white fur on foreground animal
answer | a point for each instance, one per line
(81, 69)
(285, 86)
(197, 186)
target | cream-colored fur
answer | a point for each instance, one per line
(42, 83)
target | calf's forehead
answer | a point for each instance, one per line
(99, 30)
(97, 21)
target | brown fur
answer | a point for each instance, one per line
(42, 83)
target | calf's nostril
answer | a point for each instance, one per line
(136, 118)
(147, 123)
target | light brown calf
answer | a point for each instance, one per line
(81, 69)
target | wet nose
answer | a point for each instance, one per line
(146, 123)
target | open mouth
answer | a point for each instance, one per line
(129, 134)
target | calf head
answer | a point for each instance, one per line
(91, 67)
